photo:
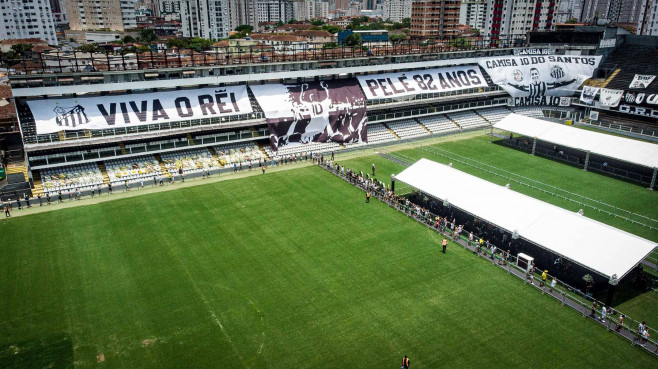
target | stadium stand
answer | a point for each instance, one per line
(157, 145)
(529, 111)
(242, 152)
(133, 169)
(407, 128)
(494, 115)
(438, 124)
(308, 148)
(468, 119)
(192, 161)
(643, 61)
(83, 177)
(65, 157)
(378, 133)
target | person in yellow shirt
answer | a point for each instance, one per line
(544, 275)
(444, 243)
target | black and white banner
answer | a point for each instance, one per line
(117, 111)
(588, 94)
(393, 85)
(539, 101)
(641, 81)
(323, 111)
(610, 98)
(638, 110)
(641, 98)
(552, 75)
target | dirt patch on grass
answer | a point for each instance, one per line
(100, 358)
(14, 349)
(149, 341)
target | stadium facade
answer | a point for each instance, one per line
(94, 120)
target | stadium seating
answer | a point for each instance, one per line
(407, 128)
(378, 133)
(438, 124)
(317, 147)
(238, 152)
(467, 119)
(75, 156)
(494, 115)
(191, 161)
(83, 177)
(528, 111)
(133, 169)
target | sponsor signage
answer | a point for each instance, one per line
(392, 85)
(588, 94)
(320, 111)
(610, 98)
(103, 112)
(593, 115)
(539, 101)
(641, 81)
(552, 75)
(608, 42)
(534, 51)
(638, 110)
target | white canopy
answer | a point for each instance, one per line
(632, 151)
(596, 246)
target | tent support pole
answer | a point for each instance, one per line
(653, 179)
(534, 145)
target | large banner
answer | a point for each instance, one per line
(641, 98)
(333, 110)
(117, 111)
(610, 98)
(638, 110)
(588, 94)
(393, 85)
(535, 76)
(641, 81)
(539, 101)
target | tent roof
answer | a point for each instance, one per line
(625, 149)
(597, 246)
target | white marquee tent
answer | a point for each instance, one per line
(594, 245)
(625, 149)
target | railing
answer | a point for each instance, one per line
(567, 295)
(76, 61)
(622, 128)
(376, 117)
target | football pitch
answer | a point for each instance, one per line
(287, 269)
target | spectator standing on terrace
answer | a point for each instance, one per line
(18, 201)
(109, 188)
(373, 169)
(141, 183)
(40, 201)
(544, 275)
(444, 243)
(368, 197)
(553, 283)
(405, 362)
(48, 198)
(592, 312)
(332, 156)
(7, 214)
(235, 168)
(99, 190)
(27, 201)
(263, 168)
(640, 332)
(59, 196)
(180, 171)
(604, 312)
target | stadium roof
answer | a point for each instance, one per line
(626, 149)
(594, 245)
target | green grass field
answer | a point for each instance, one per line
(288, 269)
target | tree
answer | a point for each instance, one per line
(179, 43)
(89, 48)
(200, 44)
(292, 21)
(128, 39)
(572, 21)
(317, 22)
(330, 45)
(331, 29)
(279, 24)
(353, 40)
(397, 38)
(21, 49)
(406, 23)
(148, 35)
(244, 28)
